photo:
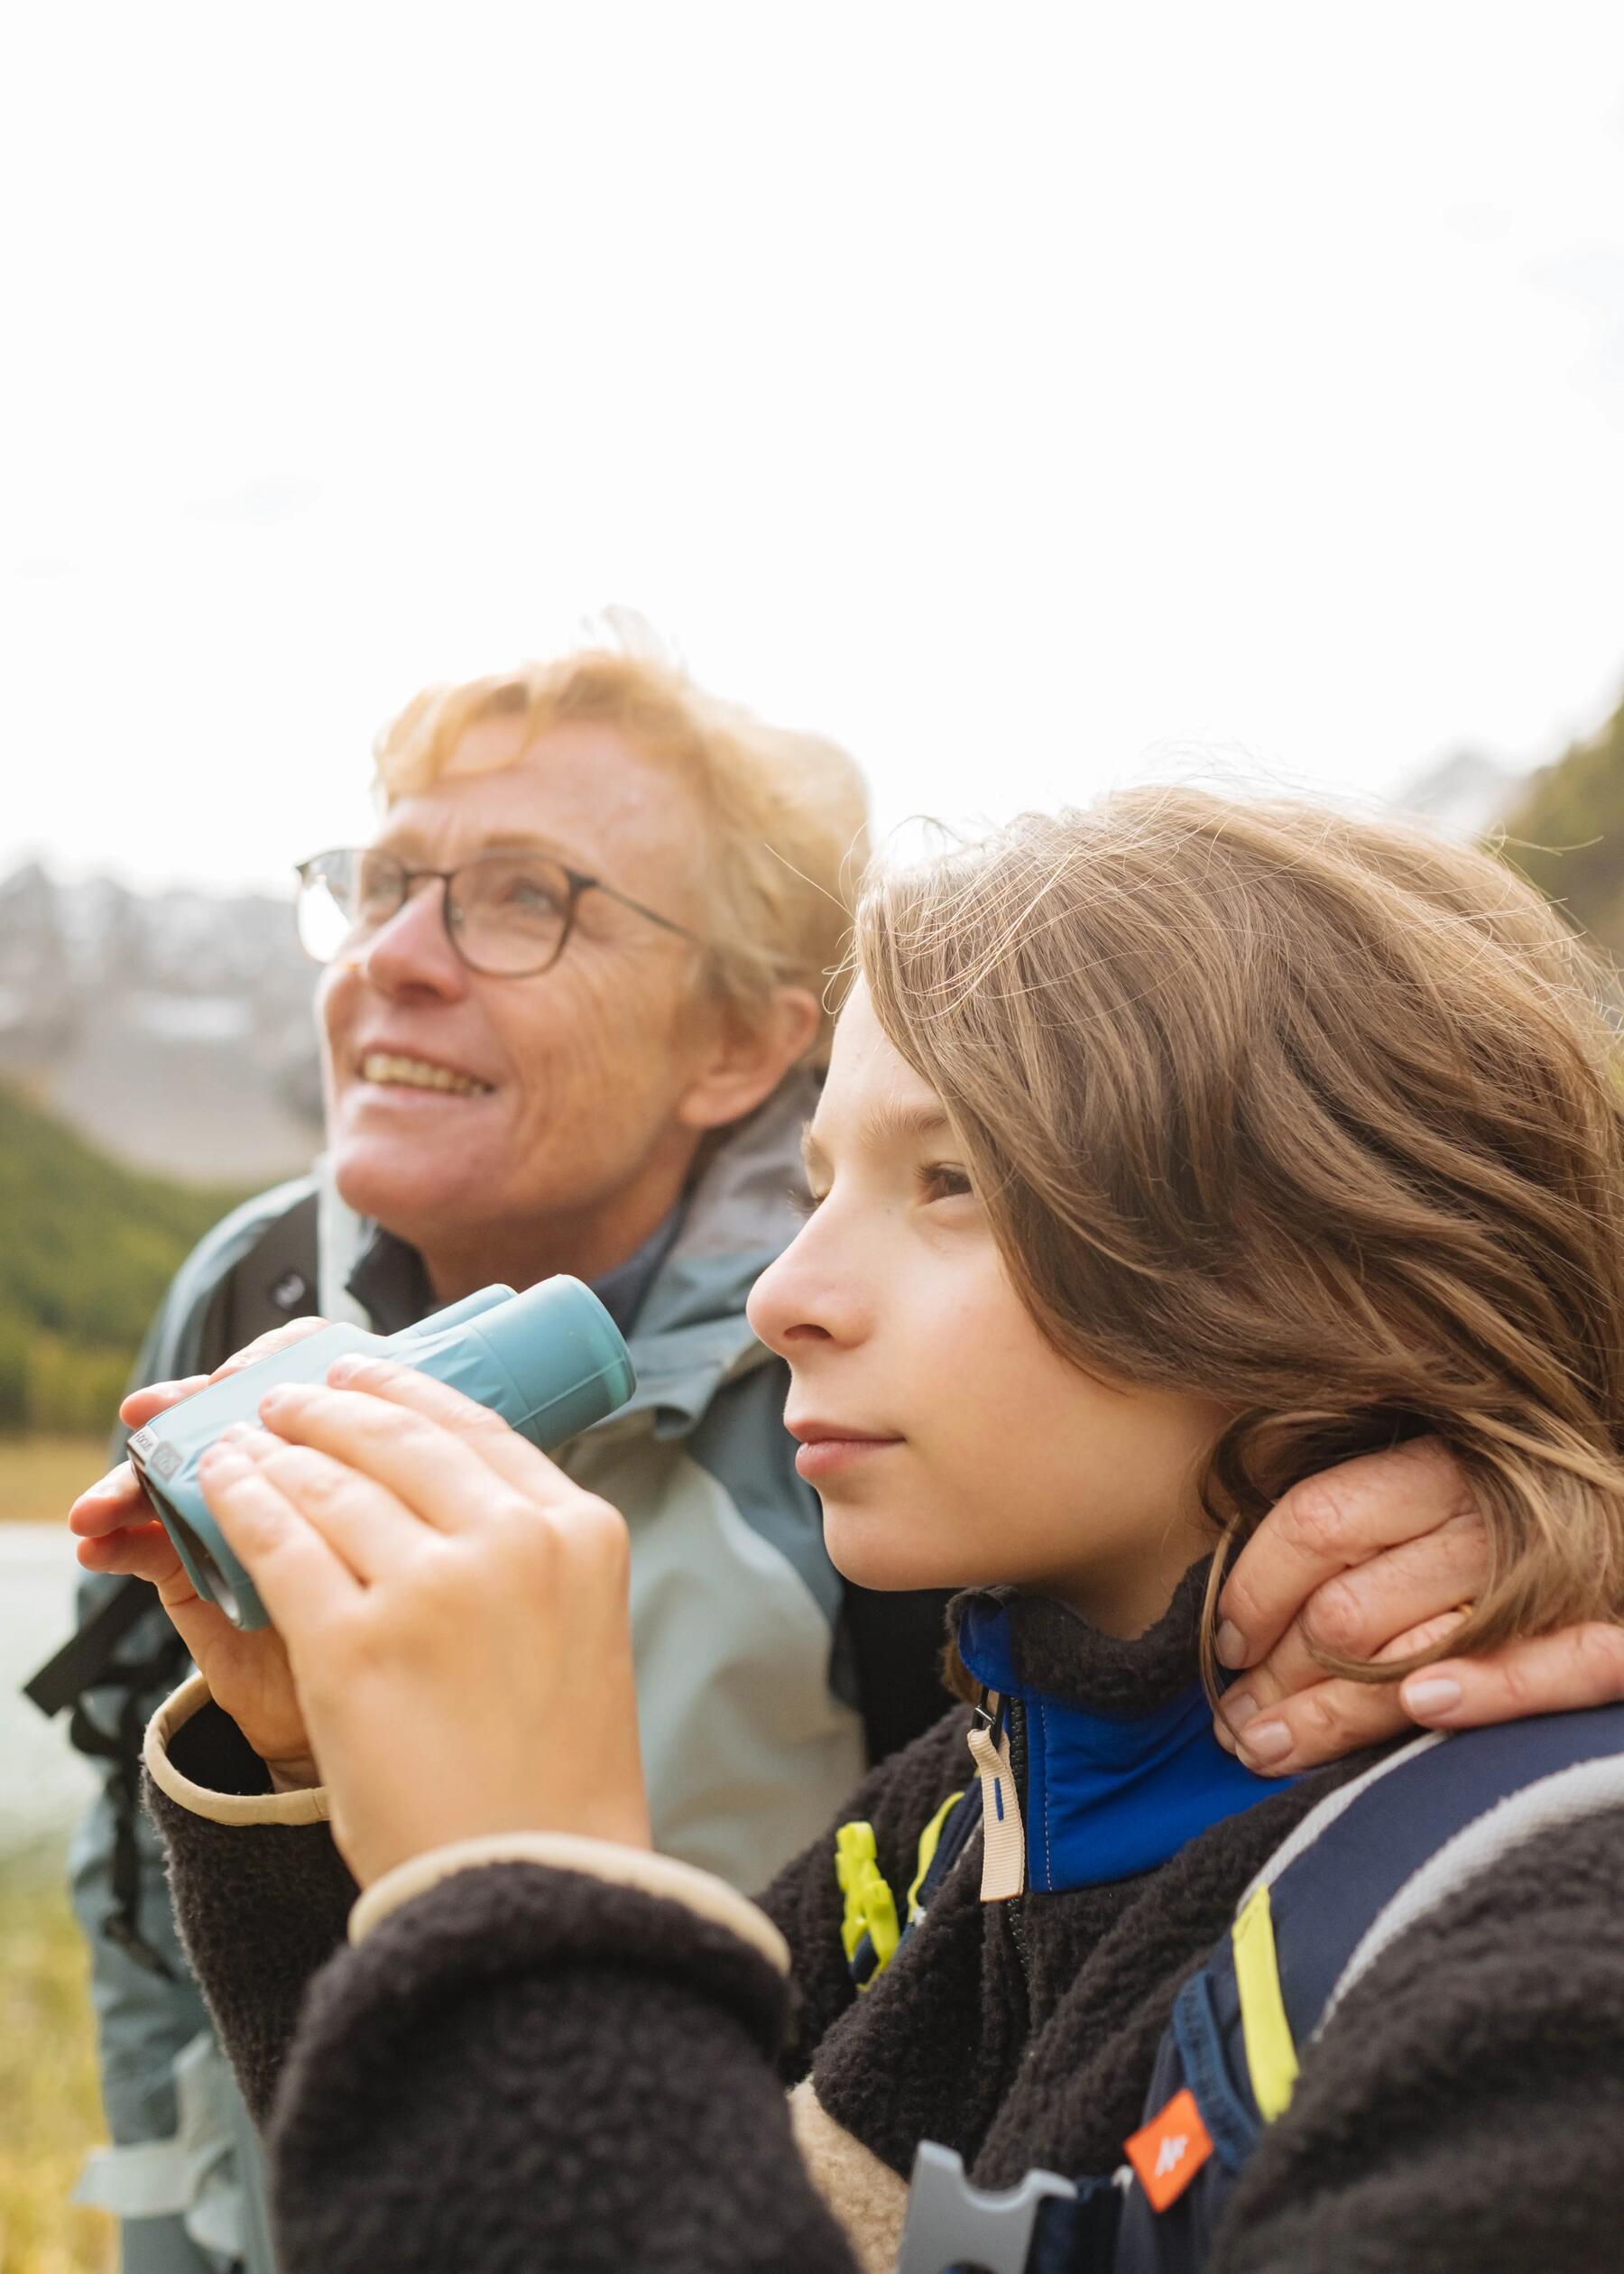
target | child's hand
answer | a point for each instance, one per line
(247, 1674)
(454, 1608)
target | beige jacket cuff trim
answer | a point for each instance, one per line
(707, 1897)
(219, 1807)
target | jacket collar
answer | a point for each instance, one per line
(1115, 1738)
(393, 1288)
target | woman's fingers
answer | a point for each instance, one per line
(1550, 1673)
(1282, 1735)
(107, 1506)
(145, 1551)
(1335, 1524)
(266, 1345)
(142, 1552)
(1359, 1615)
(1373, 1559)
(360, 1521)
(1315, 1726)
(139, 1408)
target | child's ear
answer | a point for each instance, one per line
(745, 1061)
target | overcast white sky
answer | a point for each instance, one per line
(1014, 392)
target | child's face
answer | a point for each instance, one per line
(958, 1447)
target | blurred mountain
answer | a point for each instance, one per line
(1562, 825)
(172, 1029)
(1566, 833)
(1465, 796)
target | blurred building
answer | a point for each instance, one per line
(175, 1029)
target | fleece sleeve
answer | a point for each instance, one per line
(526, 2066)
(1463, 2110)
(261, 1895)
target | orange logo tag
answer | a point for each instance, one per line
(1170, 2151)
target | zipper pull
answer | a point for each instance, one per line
(1004, 1835)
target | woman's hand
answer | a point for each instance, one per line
(247, 1674)
(1376, 1558)
(454, 1612)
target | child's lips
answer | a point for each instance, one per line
(828, 1447)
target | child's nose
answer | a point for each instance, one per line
(802, 1298)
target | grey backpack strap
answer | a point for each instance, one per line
(1560, 1798)
(274, 1280)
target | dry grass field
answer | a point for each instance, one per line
(39, 1475)
(49, 2110)
(49, 2114)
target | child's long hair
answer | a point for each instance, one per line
(1313, 1115)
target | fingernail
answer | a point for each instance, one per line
(1230, 1645)
(1429, 1694)
(1237, 1707)
(343, 1370)
(1226, 1737)
(220, 1456)
(1267, 1745)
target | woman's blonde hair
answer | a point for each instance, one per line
(785, 812)
(1315, 1116)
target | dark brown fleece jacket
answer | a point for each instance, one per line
(527, 2068)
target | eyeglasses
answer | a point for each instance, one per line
(509, 915)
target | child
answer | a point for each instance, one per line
(1170, 1150)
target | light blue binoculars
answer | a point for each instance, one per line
(550, 1362)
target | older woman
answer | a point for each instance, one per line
(572, 1020)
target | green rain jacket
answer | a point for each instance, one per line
(750, 1735)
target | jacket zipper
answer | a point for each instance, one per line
(1016, 1907)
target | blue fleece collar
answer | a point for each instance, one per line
(1108, 1796)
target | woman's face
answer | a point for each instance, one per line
(950, 1445)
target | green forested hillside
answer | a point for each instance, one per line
(87, 1248)
(1568, 835)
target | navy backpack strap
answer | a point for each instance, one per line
(1339, 1875)
(1370, 1860)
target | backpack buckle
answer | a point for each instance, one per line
(950, 2222)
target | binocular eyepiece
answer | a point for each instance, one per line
(550, 1362)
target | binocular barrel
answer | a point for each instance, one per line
(550, 1362)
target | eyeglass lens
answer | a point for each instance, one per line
(508, 913)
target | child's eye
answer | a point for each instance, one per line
(802, 1201)
(940, 1180)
